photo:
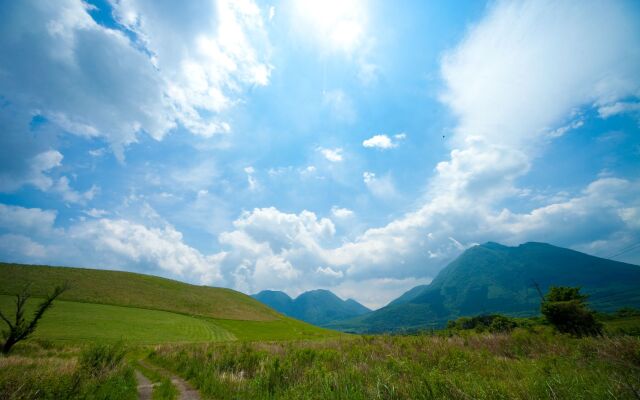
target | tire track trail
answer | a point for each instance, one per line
(145, 387)
(185, 390)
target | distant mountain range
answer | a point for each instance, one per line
(317, 307)
(492, 278)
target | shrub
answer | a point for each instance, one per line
(481, 323)
(566, 310)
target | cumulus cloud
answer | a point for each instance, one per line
(26, 220)
(184, 66)
(103, 243)
(382, 141)
(332, 155)
(519, 74)
(341, 213)
(69, 195)
(34, 173)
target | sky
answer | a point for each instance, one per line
(352, 145)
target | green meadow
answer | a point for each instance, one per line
(81, 322)
(84, 349)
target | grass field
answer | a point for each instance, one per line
(520, 365)
(134, 290)
(141, 309)
(78, 322)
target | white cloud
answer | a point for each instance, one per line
(188, 65)
(252, 181)
(616, 108)
(564, 129)
(524, 68)
(96, 213)
(18, 248)
(518, 74)
(333, 155)
(71, 196)
(380, 142)
(26, 220)
(103, 243)
(380, 187)
(341, 213)
(330, 272)
(272, 13)
(376, 293)
(121, 242)
(34, 173)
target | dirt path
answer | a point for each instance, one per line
(185, 390)
(145, 387)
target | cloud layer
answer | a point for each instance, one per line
(527, 74)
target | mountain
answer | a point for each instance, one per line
(317, 307)
(493, 278)
(148, 309)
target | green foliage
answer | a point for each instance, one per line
(523, 364)
(95, 373)
(627, 312)
(165, 390)
(491, 323)
(101, 358)
(563, 293)
(565, 308)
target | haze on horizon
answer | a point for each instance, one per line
(352, 145)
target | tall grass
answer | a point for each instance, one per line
(94, 373)
(520, 365)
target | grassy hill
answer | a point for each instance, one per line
(492, 278)
(318, 307)
(112, 305)
(134, 290)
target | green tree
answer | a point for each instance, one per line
(20, 329)
(566, 309)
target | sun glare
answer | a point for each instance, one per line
(337, 24)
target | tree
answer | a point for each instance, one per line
(20, 329)
(566, 309)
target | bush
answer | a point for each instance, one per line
(482, 323)
(566, 310)
(100, 359)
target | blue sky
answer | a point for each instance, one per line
(352, 145)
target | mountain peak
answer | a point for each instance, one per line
(319, 306)
(494, 246)
(494, 278)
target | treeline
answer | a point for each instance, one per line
(563, 308)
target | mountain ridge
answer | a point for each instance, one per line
(318, 306)
(494, 278)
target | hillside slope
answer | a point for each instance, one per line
(492, 278)
(112, 305)
(317, 307)
(134, 290)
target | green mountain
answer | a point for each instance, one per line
(104, 305)
(492, 278)
(317, 307)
